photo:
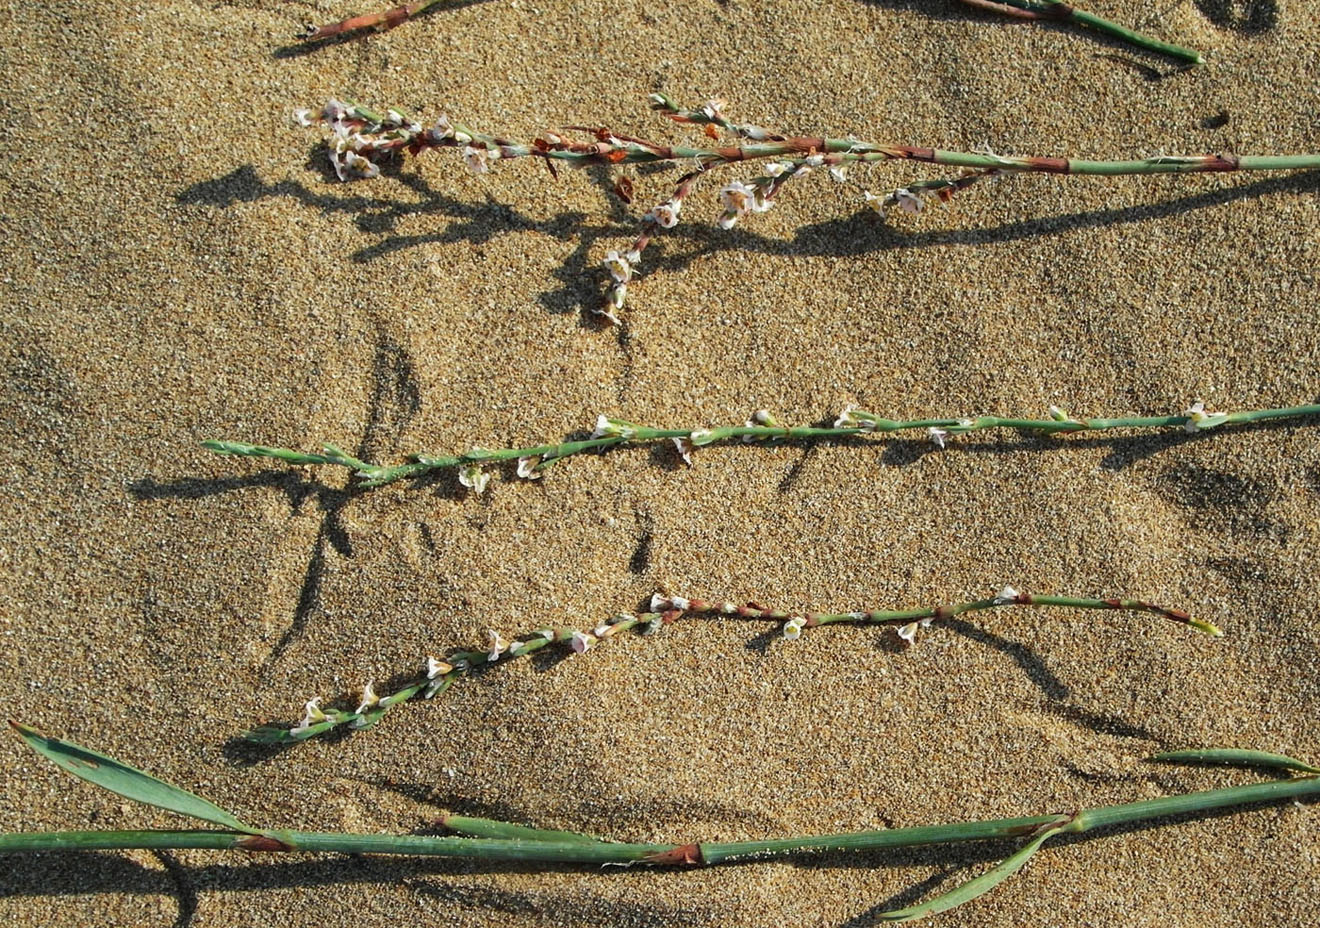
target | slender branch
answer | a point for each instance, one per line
(382, 21)
(439, 675)
(533, 461)
(1059, 11)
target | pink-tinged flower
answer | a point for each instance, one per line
(937, 436)
(665, 214)
(1198, 418)
(474, 478)
(479, 159)
(582, 642)
(908, 632)
(497, 645)
(618, 266)
(443, 128)
(437, 668)
(685, 447)
(906, 200)
(355, 167)
(793, 628)
(334, 111)
(737, 198)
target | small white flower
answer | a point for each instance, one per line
(711, 108)
(760, 202)
(814, 161)
(793, 629)
(312, 715)
(582, 642)
(802, 170)
(497, 645)
(876, 203)
(846, 419)
(633, 256)
(1198, 418)
(1058, 415)
(839, 173)
(618, 267)
(701, 437)
(925, 623)
(937, 436)
(685, 447)
(665, 214)
(908, 632)
(437, 668)
(659, 602)
(303, 118)
(369, 699)
(737, 198)
(394, 118)
(604, 631)
(443, 128)
(1006, 596)
(726, 220)
(774, 168)
(474, 478)
(527, 468)
(607, 427)
(547, 633)
(755, 133)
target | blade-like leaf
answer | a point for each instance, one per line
(128, 782)
(1234, 757)
(978, 886)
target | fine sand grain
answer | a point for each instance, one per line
(180, 267)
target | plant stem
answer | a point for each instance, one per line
(386, 20)
(665, 611)
(1059, 11)
(851, 424)
(709, 853)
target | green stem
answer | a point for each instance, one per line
(1060, 11)
(578, 851)
(852, 424)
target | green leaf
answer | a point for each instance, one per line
(128, 782)
(981, 884)
(1235, 757)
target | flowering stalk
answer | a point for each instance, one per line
(362, 139)
(533, 461)
(502, 841)
(665, 610)
(1059, 11)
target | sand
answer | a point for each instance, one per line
(179, 267)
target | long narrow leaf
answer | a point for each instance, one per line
(978, 886)
(1233, 757)
(126, 781)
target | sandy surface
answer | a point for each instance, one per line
(179, 267)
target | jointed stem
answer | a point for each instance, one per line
(440, 675)
(534, 460)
